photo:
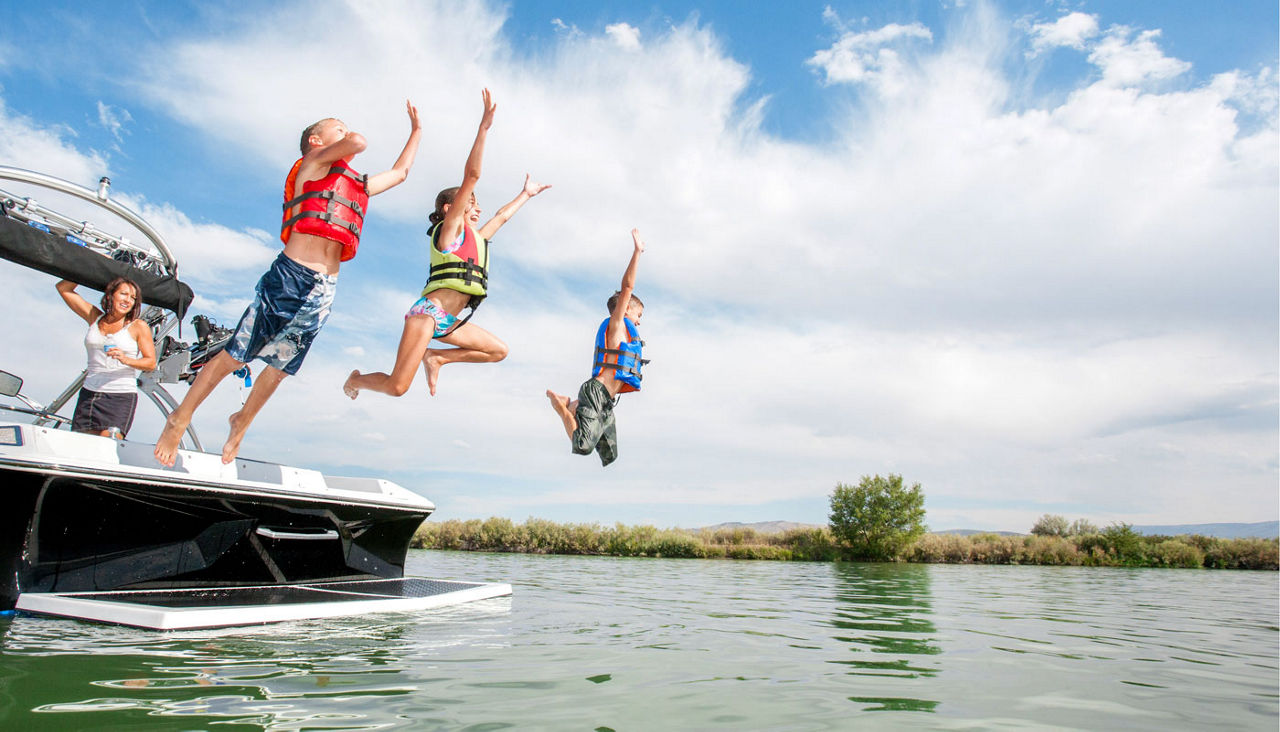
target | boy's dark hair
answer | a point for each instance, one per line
(442, 198)
(308, 132)
(613, 300)
(110, 292)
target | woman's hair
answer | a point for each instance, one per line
(443, 198)
(613, 300)
(110, 292)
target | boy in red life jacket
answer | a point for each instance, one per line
(588, 420)
(321, 229)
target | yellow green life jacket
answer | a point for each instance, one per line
(464, 267)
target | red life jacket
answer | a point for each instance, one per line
(331, 207)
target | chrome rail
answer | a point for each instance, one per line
(99, 198)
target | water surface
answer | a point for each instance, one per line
(636, 644)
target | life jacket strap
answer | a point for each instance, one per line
(332, 197)
(328, 218)
(469, 272)
(616, 352)
(362, 179)
(635, 371)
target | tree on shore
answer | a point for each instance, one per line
(1050, 525)
(878, 518)
(1054, 525)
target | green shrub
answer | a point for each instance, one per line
(878, 518)
(1174, 553)
(1050, 550)
(1123, 543)
(1237, 553)
(941, 548)
(809, 545)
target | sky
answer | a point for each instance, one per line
(1023, 253)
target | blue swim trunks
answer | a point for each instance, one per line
(292, 304)
(444, 319)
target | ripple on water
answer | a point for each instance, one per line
(589, 642)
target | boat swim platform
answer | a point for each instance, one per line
(221, 607)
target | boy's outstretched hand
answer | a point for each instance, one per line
(635, 236)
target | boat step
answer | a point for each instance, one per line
(215, 607)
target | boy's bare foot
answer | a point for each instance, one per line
(350, 389)
(166, 451)
(232, 445)
(561, 405)
(432, 364)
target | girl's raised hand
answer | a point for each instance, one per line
(489, 108)
(532, 188)
(413, 116)
(635, 237)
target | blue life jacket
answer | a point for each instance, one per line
(627, 366)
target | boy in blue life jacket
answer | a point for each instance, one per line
(615, 369)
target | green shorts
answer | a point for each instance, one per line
(596, 428)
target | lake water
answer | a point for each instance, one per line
(643, 644)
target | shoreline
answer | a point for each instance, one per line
(1112, 547)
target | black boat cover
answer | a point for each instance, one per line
(54, 254)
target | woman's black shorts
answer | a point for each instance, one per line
(98, 411)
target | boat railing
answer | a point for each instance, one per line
(28, 209)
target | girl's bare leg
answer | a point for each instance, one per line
(474, 345)
(418, 330)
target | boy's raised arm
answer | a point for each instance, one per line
(400, 171)
(352, 144)
(628, 285)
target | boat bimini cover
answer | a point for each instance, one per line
(56, 255)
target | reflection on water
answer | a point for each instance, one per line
(883, 614)
(597, 642)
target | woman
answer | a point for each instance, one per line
(459, 277)
(119, 345)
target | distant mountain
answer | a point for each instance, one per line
(762, 527)
(971, 532)
(1259, 530)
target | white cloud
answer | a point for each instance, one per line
(114, 120)
(48, 149)
(1016, 304)
(625, 35)
(864, 58)
(1127, 61)
(1071, 30)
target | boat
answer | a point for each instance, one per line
(95, 528)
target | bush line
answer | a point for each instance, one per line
(1116, 546)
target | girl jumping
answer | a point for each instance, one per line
(459, 278)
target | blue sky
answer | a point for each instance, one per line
(1024, 253)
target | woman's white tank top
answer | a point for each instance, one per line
(105, 374)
